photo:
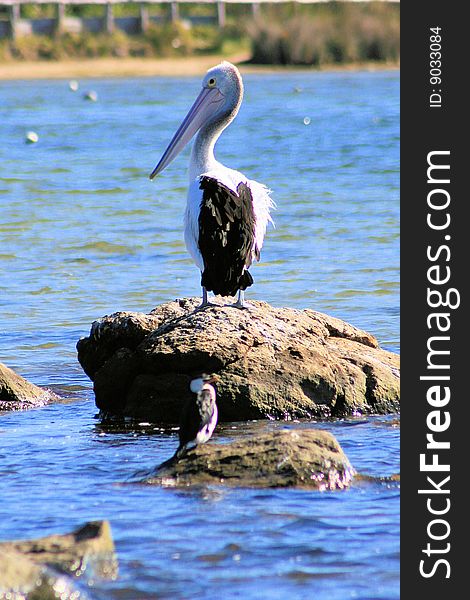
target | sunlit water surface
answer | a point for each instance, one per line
(84, 233)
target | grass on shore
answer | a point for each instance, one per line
(160, 41)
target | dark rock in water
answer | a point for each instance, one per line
(272, 362)
(18, 394)
(36, 568)
(302, 458)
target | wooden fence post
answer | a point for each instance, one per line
(60, 15)
(221, 13)
(14, 14)
(255, 8)
(175, 12)
(144, 17)
(109, 19)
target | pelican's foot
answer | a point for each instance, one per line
(205, 302)
(205, 305)
(242, 305)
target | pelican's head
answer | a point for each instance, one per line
(218, 102)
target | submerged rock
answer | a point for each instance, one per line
(37, 567)
(286, 458)
(272, 362)
(16, 393)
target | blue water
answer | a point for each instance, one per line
(84, 233)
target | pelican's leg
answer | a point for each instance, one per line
(241, 299)
(240, 303)
(205, 301)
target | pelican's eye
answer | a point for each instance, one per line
(211, 83)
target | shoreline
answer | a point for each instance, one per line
(156, 67)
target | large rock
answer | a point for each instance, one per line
(36, 568)
(272, 362)
(287, 458)
(16, 393)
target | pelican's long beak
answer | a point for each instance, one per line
(207, 103)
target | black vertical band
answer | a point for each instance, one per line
(434, 129)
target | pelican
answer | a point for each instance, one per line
(199, 416)
(226, 214)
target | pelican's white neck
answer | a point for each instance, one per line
(202, 154)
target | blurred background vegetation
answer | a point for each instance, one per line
(333, 33)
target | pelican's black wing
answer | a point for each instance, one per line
(226, 236)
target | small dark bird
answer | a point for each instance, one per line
(199, 416)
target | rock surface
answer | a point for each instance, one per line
(285, 458)
(18, 394)
(36, 568)
(272, 362)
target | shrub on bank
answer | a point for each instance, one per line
(333, 35)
